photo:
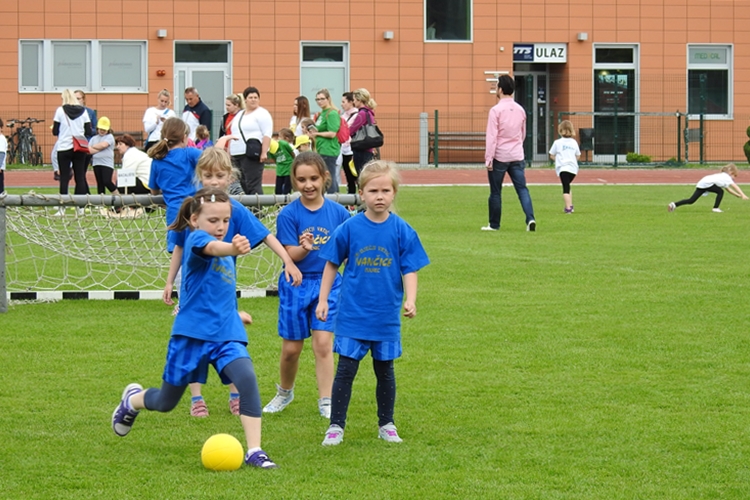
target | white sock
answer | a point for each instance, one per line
(250, 451)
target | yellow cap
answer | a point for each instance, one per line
(104, 123)
(300, 140)
(273, 147)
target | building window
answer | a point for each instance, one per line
(93, 66)
(30, 66)
(448, 20)
(710, 80)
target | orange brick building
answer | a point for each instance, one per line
(415, 56)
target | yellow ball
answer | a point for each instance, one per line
(222, 452)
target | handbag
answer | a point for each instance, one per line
(367, 137)
(253, 147)
(80, 144)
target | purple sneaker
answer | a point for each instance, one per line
(123, 417)
(260, 459)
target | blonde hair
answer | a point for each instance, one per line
(363, 96)
(237, 100)
(201, 132)
(215, 159)
(68, 97)
(565, 129)
(165, 93)
(376, 168)
(730, 169)
(327, 95)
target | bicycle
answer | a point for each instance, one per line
(22, 144)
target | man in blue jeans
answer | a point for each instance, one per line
(506, 130)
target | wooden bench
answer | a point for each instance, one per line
(455, 141)
(137, 136)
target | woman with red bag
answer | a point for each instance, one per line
(71, 124)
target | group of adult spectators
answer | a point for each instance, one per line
(250, 125)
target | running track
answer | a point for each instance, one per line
(446, 176)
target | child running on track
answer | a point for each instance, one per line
(565, 153)
(304, 227)
(215, 170)
(208, 329)
(382, 254)
(714, 183)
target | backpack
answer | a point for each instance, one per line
(343, 134)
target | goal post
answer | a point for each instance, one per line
(111, 246)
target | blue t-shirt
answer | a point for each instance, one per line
(208, 305)
(242, 221)
(295, 219)
(174, 175)
(379, 255)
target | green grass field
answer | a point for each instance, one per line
(605, 356)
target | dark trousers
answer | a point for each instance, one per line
(2, 181)
(283, 184)
(566, 178)
(515, 170)
(251, 175)
(699, 192)
(351, 180)
(104, 179)
(240, 371)
(385, 390)
(361, 158)
(77, 161)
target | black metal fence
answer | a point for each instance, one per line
(617, 115)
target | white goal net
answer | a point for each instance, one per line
(56, 243)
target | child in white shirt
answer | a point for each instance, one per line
(565, 153)
(714, 183)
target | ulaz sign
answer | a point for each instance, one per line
(540, 52)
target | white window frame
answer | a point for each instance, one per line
(471, 26)
(729, 67)
(93, 66)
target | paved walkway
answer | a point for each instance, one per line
(447, 176)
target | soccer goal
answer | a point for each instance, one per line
(56, 247)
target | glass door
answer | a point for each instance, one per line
(531, 93)
(207, 67)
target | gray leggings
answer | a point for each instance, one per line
(240, 372)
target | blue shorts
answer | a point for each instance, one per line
(188, 359)
(297, 307)
(355, 348)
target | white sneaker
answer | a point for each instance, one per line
(389, 433)
(324, 407)
(80, 211)
(671, 207)
(279, 401)
(717, 210)
(334, 436)
(531, 226)
(60, 212)
(488, 228)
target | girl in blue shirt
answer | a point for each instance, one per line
(208, 328)
(305, 227)
(215, 170)
(382, 254)
(173, 168)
